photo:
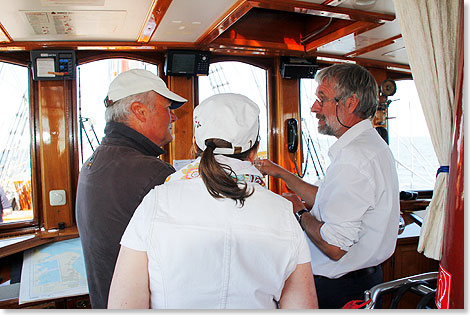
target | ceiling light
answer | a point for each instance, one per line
(364, 4)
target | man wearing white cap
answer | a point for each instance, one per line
(122, 170)
(213, 237)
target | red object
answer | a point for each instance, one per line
(452, 261)
(355, 304)
(443, 289)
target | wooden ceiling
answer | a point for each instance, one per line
(358, 30)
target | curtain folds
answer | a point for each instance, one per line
(430, 30)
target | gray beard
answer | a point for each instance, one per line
(326, 130)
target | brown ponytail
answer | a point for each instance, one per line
(218, 177)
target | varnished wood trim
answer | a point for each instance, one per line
(239, 9)
(351, 28)
(99, 46)
(286, 100)
(153, 19)
(322, 10)
(332, 2)
(84, 57)
(4, 31)
(414, 205)
(362, 61)
(20, 58)
(261, 45)
(263, 63)
(384, 64)
(180, 147)
(40, 238)
(386, 42)
(55, 104)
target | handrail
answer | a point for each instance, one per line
(374, 293)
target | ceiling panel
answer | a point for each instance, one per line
(187, 20)
(110, 20)
(379, 6)
(395, 53)
(351, 43)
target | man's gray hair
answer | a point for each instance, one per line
(353, 79)
(121, 109)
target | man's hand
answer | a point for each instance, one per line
(296, 202)
(267, 167)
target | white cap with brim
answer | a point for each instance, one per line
(137, 81)
(230, 117)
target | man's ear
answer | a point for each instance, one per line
(351, 103)
(139, 110)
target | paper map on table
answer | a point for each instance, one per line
(53, 271)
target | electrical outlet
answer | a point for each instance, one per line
(57, 197)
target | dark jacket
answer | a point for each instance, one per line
(112, 183)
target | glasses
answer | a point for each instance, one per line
(321, 102)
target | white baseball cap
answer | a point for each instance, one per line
(137, 81)
(230, 117)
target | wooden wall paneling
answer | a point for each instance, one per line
(154, 18)
(183, 127)
(54, 102)
(74, 137)
(286, 105)
(35, 147)
(405, 262)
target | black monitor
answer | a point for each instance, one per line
(187, 62)
(296, 68)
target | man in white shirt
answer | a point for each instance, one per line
(353, 224)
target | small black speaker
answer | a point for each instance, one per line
(296, 68)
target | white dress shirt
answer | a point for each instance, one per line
(208, 253)
(359, 202)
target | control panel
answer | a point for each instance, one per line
(53, 64)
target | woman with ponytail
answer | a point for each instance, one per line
(213, 236)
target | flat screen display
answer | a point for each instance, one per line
(183, 63)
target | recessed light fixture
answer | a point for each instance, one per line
(177, 22)
(364, 4)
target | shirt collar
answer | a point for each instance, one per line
(120, 133)
(243, 168)
(348, 136)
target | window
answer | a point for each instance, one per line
(241, 78)
(410, 141)
(314, 145)
(93, 82)
(15, 143)
(408, 137)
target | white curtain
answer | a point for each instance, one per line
(430, 32)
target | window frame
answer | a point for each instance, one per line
(36, 226)
(266, 65)
(25, 227)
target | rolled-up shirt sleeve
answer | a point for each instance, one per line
(349, 195)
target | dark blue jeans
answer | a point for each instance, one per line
(335, 293)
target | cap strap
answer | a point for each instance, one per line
(211, 144)
(108, 102)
